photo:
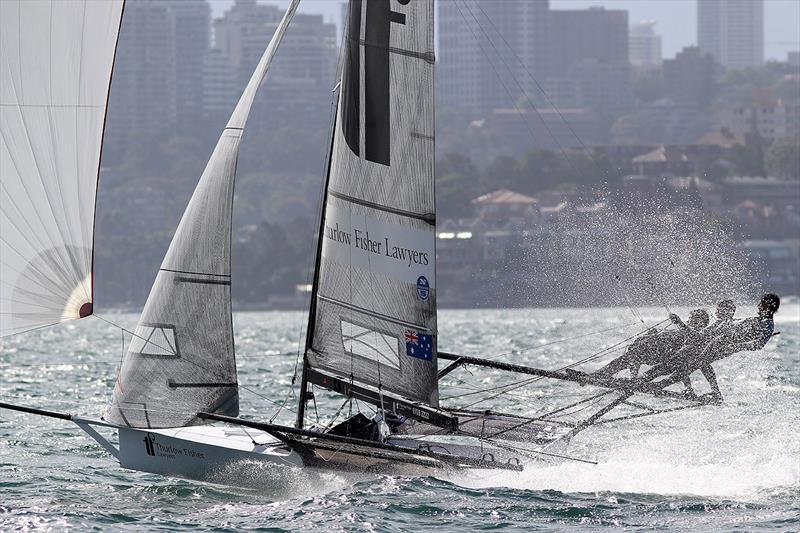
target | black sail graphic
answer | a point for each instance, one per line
(374, 310)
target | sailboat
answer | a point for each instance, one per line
(372, 332)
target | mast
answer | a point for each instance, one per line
(312, 308)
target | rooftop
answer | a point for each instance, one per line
(504, 196)
(662, 154)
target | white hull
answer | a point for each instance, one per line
(220, 454)
(204, 453)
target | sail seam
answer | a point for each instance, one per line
(184, 279)
(428, 218)
(418, 135)
(194, 273)
(428, 57)
(373, 313)
(69, 106)
(174, 385)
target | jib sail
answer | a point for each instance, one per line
(181, 358)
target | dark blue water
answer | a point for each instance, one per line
(730, 468)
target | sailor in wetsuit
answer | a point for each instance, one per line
(724, 313)
(654, 348)
(750, 334)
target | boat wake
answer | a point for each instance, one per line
(279, 482)
(746, 449)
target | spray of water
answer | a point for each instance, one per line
(615, 256)
(746, 449)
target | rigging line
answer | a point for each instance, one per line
(317, 241)
(133, 334)
(526, 451)
(627, 299)
(565, 339)
(640, 415)
(329, 425)
(522, 383)
(499, 78)
(519, 85)
(309, 273)
(532, 402)
(587, 359)
(533, 78)
(55, 363)
(72, 402)
(584, 148)
(571, 410)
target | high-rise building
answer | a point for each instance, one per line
(220, 86)
(644, 45)
(192, 25)
(732, 31)
(143, 87)
(158, 71)
(590, 67)
(588, 34)
(490, 53)
(689, 78)
(306, 59)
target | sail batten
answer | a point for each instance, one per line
(182, 360)
(374, 307)
(56, 59)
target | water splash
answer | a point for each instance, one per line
(616, 257)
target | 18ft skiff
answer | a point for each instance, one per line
(372, 334)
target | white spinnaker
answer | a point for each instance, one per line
(182, 359)
(56, 58)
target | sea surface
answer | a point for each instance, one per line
(734, 467)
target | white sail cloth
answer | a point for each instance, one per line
(181, 359)
(56, 58)
(374, 309)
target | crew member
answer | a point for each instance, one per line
(750, 334)
(654, 348)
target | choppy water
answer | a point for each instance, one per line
(732, 468)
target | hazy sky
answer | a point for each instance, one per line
(677, 19)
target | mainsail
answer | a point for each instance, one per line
(373, 316)
(56, 58)
(181, 358)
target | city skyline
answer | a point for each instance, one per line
(677, 19)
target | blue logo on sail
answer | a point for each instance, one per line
(419, 345)
(423, 288)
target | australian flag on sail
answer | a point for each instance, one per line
(419, 345)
